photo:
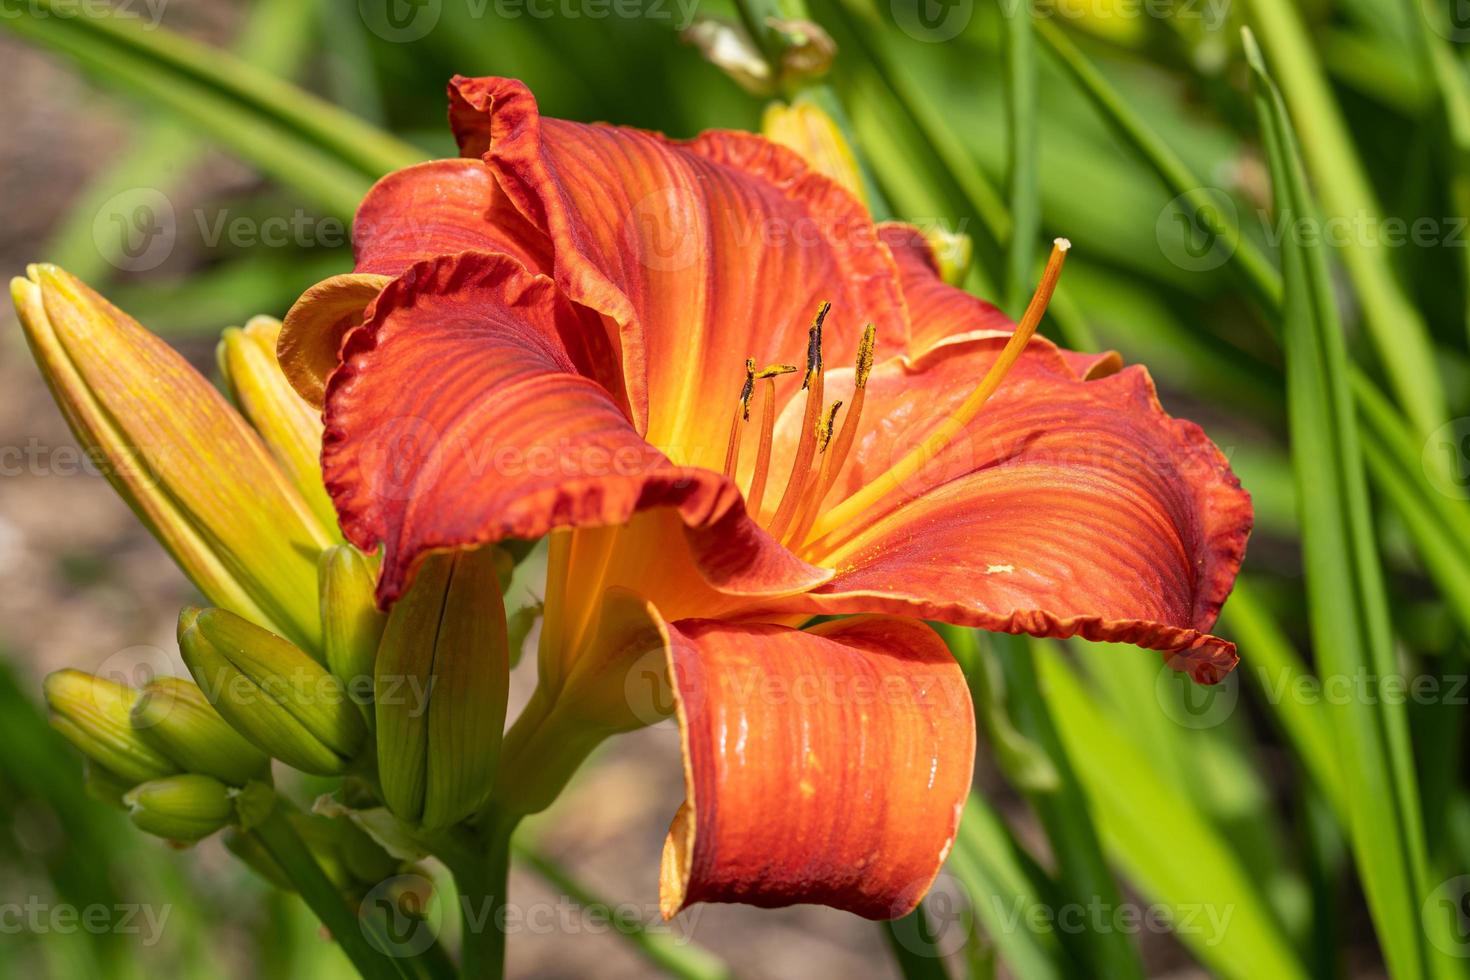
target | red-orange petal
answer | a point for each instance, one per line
(466, 412)
(439, 208)
(1068, 507)
(828, 766)
(700, 254)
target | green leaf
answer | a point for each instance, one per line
(1083, 876)
(1279, 672)
(937, 143)
(1399, 334)
(1347, 605)
(274, 39)
(1021, 161)
(1167, 847)
(1003, 888)
(306, 143)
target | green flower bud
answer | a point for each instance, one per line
(186, 807)
(173, 716)
(196, 474)
(440, 688)
(272, 693)
(351, 622)
(92, 713)
(291, 428)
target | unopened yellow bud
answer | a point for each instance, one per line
(271, 691)
(93, 714)
(186, 462)
(186, 807)
(173, 716)
(442, 675)
(805, 127)
(351, 622)
(290, 427)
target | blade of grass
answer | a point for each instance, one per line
(1231, 928)
(1003, 886)
(685, 960)
(1278, 671)
(188, 62)
(1255, 270)
(1347, 605)
(1083, 875)
(1399, 334)
(1257, 274)
(1452, 90)
(274, 39)
(937, 142)
(296, 162)
(1021, 157)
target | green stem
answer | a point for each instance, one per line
(280, 839)
(1022, 154)
(483, 895)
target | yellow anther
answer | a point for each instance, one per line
(747, 389)
(814, 346)
(824, 430)
(865, 355)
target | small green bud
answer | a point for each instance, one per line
(186, 807)
(271, 691)
(92, 713)
(351, 622)
(440, 688)
(173, 716)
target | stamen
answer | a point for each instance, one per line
(768, 428)
(824, 434)
(852, 508)
(845, 438)
(811, 503)
(807, 444)
(742, 415)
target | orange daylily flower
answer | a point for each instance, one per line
(735, 404)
